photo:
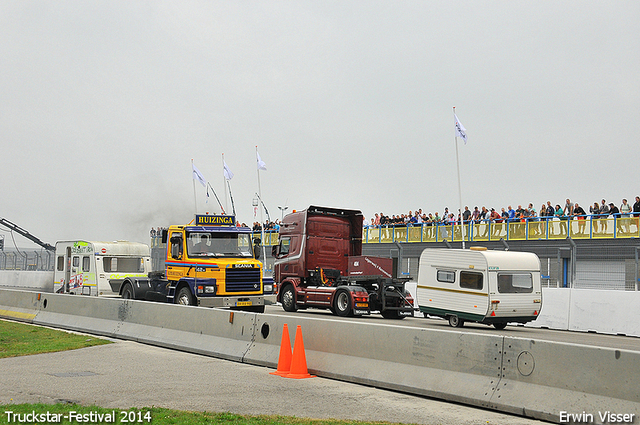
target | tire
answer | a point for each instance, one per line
(127, 292)
(342, 304)
(392, 314)
(288, 299)
(499, 326)
(455, 321)
(184, 297)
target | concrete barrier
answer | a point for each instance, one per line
(538, 379)
(33, 280)
(220, 333)
(445, 364)
(541, 379)
(590, 310)
(198, 330)
(19, 305)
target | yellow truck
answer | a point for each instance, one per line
(212, 263)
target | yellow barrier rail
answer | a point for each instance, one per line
(582, 227)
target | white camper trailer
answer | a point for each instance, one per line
(98, 268)
(477, 285)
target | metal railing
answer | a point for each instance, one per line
(541, 228)
(26, 260)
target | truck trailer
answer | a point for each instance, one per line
(319, 264)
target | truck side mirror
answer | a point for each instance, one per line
(275, 251)
(176, 247)
(256, 248)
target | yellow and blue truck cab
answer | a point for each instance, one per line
(211, 263)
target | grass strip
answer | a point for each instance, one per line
(21, 339)
(72, 414)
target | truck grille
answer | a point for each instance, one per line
(242, 280)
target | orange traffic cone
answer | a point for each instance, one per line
(284, 360)
(299, 360)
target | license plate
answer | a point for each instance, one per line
(362, 305)
(243, 303)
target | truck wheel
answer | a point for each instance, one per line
(455, 321)
(127, 292)
(392, 314)
(184, 297)
(342, 304)
(289, 299)
(499, 326)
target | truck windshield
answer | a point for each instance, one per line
(215, 244)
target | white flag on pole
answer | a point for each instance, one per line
(198, 175)
(261, 164)
(226, 171)
(461, 132)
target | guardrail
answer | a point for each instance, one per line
(517, 375)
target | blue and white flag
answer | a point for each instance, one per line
(198, 175)
(226, 171)
(261, 164)
(460, 130)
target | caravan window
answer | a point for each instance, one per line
(512, 283)
(85, 264)
(76, 261)
(123, 264)
(446, 276)
(61, 263)
(470, 280)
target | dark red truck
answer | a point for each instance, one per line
(319, 264)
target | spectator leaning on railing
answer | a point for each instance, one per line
(539, 221)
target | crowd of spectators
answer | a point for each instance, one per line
(548, 211)
(269, 226)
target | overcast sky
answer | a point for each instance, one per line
(104, 104)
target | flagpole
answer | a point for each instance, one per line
(224, 184)
(195, 201)
(233, 207)
(459, 184)
(264, 249)
(216, 195)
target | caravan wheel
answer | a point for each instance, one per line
(455, 321)
(499, 326)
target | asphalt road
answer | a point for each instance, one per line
(572, 337)
(127, 374)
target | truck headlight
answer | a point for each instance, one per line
(206, 289)
(268, 288)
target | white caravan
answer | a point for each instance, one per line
(477, 285)
(98, 268)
